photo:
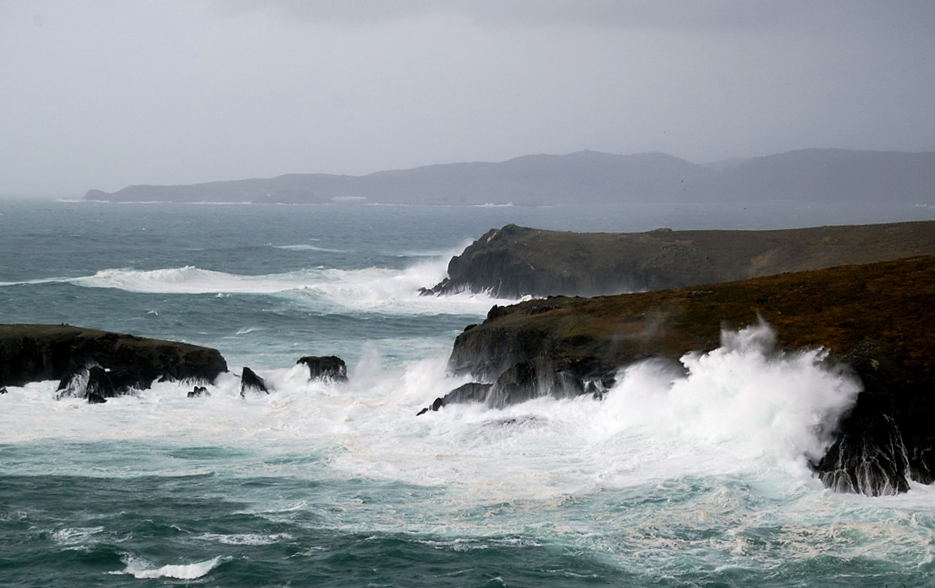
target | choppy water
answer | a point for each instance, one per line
(673, 480)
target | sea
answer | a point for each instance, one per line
(695, 478)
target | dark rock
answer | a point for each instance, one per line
(515, 261)
(250, 382)
(3, 390)
(325, 367)
(875, 318)
(93, 383)
(527, 380)
(198, 391)
(470, 392)
(31, 353)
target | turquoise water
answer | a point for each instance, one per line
(672, 481)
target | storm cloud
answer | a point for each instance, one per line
(110, 93)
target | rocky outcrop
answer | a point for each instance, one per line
(97, 364)
(327, 367)
(251, 382)
(515, 261)
(470, 392)
(875, 318)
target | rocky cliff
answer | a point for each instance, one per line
(514, 261)
(108, 363)
(876, 319)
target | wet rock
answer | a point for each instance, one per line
(527, 380)
(32, 353)
(250, 382)
(470, 392)
(875, 318)
(93, 383)
(327, 367)
(198, 391)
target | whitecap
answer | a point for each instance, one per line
(329, 290)
(75, 535)
(141, 569)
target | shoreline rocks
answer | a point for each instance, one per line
(251, 382)
(875, 318)
(99, 364)
(327, 367)
(514, 261)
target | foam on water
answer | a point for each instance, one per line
(142, 570)
(741, 408)
(707, 460)
(373, 289)
(246, 538)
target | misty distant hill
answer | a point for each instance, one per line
(588, 177)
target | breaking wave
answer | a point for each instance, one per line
(142, 570)
(741, 408)
(370, 289)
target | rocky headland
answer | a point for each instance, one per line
(97, 364)
(589, 177)
(876, 320)
(515, 261)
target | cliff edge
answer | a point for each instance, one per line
(875, 319)
(514, 261)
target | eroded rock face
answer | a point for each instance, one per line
(31, 353)
(251, 382)
(327, 367)
(514, 261)
(470, 392)
(875, 318)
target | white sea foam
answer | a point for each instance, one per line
(246, 538)
(740, 408)
(142, 570)
(75, 536)
(370, 289)
(722, 444)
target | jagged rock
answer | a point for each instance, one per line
(93, 383)
(514, 261)
(470, 392)
(32, 353)
(327, 367)
(3, 390)
(527, 380)
(875, 318)
(250, 382)
(198, 391)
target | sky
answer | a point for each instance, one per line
(109, 93)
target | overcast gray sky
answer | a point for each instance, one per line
(108, 93)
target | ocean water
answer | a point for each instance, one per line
(673, 480)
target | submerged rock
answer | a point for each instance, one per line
(327, 367)
(198, 391)
(250, 382)
(32, 353)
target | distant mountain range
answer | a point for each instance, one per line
(589, 177)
